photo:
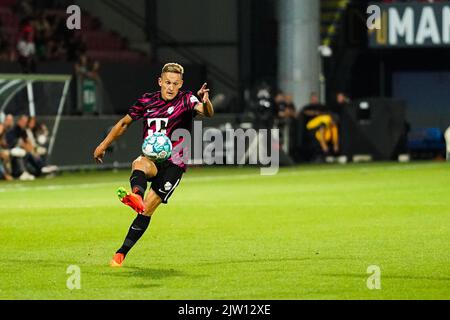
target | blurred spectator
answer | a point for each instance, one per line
(27, 50)
(286, 121)
(86, 68)
(42, 137)
(37, 135)
(46, 21)
(42, 35)
(5, 160)
(95, 71)
(89, 86)
(285, 106)
(24, 155)
(320, 122)
(338, 107)
(16, 154)
(55, 49)
(17, 136)
(314, 108)
(24, 8)
(9, 122)
(262, 106)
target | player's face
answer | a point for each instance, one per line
(170, 84)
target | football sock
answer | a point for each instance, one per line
(138, 182)
(137, 229)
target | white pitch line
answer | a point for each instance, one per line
(23, 188)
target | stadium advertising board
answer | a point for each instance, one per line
(410, 25)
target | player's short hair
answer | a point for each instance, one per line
(173, 67)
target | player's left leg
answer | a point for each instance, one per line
(163, 186)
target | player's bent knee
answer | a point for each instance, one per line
(145, 165)
(152, 201)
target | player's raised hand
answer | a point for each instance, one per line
(205, 98)
(202, 91)
(99, 153)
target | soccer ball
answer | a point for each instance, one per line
(157, 147)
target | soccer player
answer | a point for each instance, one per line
(163, 111)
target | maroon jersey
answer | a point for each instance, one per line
(165, 116)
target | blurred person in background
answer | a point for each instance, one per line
(314, 108)
(38, 136)
(55, 49)
(320, 122)
(338, 107)
(286, 121)
(5, 160)
(86, 68)
(8, 122)
(22, 151)
(26, 50)
(24, 8)
(16, 154)
(285, 106)
(88, 80)
(42, 35)
(262, 106)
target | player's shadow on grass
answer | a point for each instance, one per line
(151, 274)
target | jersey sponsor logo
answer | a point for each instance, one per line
(160, 125)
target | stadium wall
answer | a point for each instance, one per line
(77, 138)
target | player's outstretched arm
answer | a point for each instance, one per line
(204, 108)
(119, 129)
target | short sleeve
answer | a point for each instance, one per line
(191, 102)
(137, 110)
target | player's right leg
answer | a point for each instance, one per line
(137, 228)
(142, 170)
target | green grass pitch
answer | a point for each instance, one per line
(309, 232)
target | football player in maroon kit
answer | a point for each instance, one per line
(164, 111)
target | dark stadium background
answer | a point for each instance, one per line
(238, 47)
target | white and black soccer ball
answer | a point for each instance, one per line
(157, 147)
